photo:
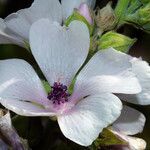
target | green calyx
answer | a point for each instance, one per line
(108, 138)
(117, 41)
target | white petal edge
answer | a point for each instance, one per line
(7, 38)
(130, 121)
(21, 21)
(142, 70)
(24, 108)
(83, 123)
(19, 81)
(59, 51)
(68, 6)
(107, 71)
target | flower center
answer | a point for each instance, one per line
(59, 93)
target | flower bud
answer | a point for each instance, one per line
(105, 18)
(82, 14)
(85, 12)
(117, 41)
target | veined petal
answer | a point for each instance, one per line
(59, 51)
(142, 70)
(19, 82)
(68, 6)
(102, 84)
(83, 123)
(21, 21)
(130, 121)
(107, 71)
(6, 37)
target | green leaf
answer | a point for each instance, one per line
(120, 10)
(117, 41)
(141, 18)
(125, 8)
(145, 1)
(134, 12)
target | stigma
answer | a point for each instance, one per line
(59, 94)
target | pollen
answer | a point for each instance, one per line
(59, 94)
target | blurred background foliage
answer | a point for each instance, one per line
(140, 49)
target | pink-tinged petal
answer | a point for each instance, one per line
(107, 71)
(26, 108)
(69, 5)
(133, 142)
(142, 70)
(19, 81)
(85, 12)
(130, 121)
(21, 21)
(6, 37)
(83, 123)
(59, 51)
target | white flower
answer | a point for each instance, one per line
(60, 52)
(130, 123)
(142, 70)
(15, 28)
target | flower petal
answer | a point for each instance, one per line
(130, 122)
(83, 123)
(107, 71)
(142, 70)
(68, 6)
(59, 51)
(136, 143)
(133, 142)
(21, 21)
(19, 81)
(26, 108)
(8, 133)
(6, 37)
